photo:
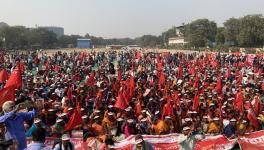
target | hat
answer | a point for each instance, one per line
(65, 137)
(59, 120)
(215, 118)
(157, 112)
(186, 128)
(119, 119)
(167, 117)
(233, 120)
(51, 110)
(70, 108)
(130, 120)
(187, 119)
(37, 120)
(143, 111)
(144, 120)
(96, 117)
(84, 117)
(110, 106)
(111, 114)
(97, 111)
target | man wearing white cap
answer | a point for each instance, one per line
(230, 129)
(65, 143)
(140, 144)
(37, 124)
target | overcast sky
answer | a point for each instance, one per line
(121, 18)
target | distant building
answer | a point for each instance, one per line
(59, 31)
(84, 43)
(177, 41)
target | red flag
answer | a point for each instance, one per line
(15, 79)
(132, 86)
(238, 102)
(218, 87)
(3, 75)
(196, 82)
(239, 79)
(7, 94)
(180, 72)
(252, 118)
(138, 108)
(120, 102)
(46, 65)
(176, 98)
(69, 93)
(257, 105)
(162, 79)
(159, 66)
(167, 109)
(196, 101)
(56, 68)
(91, 79)
(75, 119)
(119, 76)
(228, 73)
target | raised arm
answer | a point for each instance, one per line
(5, 116)
(29, 115)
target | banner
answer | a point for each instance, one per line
(252, 141)
(218, 142)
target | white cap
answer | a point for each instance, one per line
(65, 137)
(167, 117)
(233, 120)
(37, 120)
(186, 128)
(84, 117)
(187, 119)
(215, 118)
(144, 120)
(111, 114)
(96, 117)
(157, 112)
(119, 119)
(130, 120)
(59, 120)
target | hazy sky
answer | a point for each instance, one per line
(121, 18)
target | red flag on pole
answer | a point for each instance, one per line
(257, 105)
(218, 87)
(3, 75)
(180, 72)
(196, 101)
(162, 79)
(75, 119)
(91, 79)
(69, 93)
(132, 86)
(7, 94)
(238, 102)
(120, 102)
(15, 79)
(252, 118)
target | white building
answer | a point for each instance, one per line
(177, 41)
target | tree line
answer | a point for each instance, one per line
(247, 31)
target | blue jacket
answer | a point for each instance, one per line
(14, 123)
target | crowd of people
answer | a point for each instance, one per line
(121, 93)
